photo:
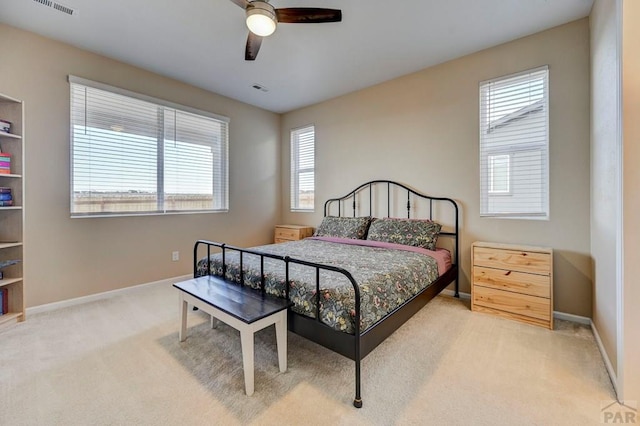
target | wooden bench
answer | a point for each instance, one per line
(243, 308)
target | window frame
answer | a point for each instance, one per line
(296, 170)
(163, 106)
(517, 146)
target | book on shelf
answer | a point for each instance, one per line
(6, 203)
(4, 301)
(6, 197)
(5, 126)
(5, 190)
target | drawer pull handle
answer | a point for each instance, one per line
(507, 274)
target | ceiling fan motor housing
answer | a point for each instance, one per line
(261, 18)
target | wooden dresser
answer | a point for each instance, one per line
(514, 282)
(285, 233)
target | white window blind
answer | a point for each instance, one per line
(303, 168)
(132, 154)
(514, 145)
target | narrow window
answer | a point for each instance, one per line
(132, 154)
(302, 168)
(514, 145)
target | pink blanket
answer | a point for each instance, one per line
(442, 256)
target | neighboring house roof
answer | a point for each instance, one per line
(516, 116)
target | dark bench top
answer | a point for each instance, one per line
(242, 302)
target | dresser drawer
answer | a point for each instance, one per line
(521, 304)
(518, 282)
(512, 260)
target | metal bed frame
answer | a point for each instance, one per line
(358, 345)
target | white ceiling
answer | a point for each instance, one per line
(202, 42)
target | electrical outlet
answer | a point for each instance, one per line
(175, 256)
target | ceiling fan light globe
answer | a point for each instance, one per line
(260, 22)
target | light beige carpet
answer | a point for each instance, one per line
(118, 362)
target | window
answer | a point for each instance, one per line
(514, 145)
(132, 154)
(302, 168)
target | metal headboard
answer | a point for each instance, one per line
(392, 188)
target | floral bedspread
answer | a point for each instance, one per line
(386, 278)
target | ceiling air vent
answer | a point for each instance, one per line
(62, 8)
(259, 87)
(58, 6)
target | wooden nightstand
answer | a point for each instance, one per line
(514, 282)
(285, 233)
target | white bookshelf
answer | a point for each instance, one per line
(12, 217)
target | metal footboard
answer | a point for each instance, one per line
(357, 402)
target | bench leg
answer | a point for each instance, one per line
(183, 319)
(281, 340)
(214, 322)
(246, 340)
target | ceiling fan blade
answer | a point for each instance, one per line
(242, 3)
(253, 46)
(304, 15)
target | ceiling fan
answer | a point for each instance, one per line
(262, 19)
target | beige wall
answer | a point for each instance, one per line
(615, 182)
(422, 129)
(629, 371)
(68, 258)
(605, 170)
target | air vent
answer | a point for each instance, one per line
(259, 87)
(62, 8)
(58, 6)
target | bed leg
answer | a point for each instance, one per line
(357, 402)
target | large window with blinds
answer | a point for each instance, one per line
(133, 154)
(302, 168)
(514, 145)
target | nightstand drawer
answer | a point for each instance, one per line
(514, 260)
(518, 282)
(284, 233)
(521, 304)
(287, 233)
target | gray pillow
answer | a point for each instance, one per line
(409, 232)
(343, 227)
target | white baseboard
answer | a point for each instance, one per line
(571, 317)
(99, 296)
(605, 357)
